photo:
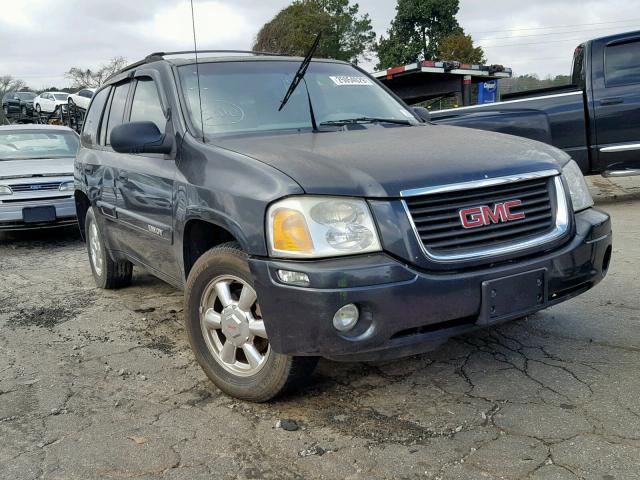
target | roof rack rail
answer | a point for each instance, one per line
(156, 56)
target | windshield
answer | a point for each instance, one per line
(245, 96)
(60, 96)
(26, 145)
(26, 95)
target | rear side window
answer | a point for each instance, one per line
(116, 112)
(622, 64)
(146, 104)
(92, 120)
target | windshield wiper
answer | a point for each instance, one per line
(298, 77)
(348, 121)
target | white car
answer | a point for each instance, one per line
(82, 98)
(48, 101)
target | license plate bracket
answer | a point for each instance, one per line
(39, 214)
(513, 296)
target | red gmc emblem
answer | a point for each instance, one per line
(475, 217)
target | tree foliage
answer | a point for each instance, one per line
(81, 78)
(11, 84)
(418, 30)
(459, 46)
(346, 35)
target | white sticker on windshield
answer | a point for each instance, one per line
(344, 80)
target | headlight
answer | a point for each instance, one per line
(312, 227)
(67, 187)
(4, 190)
(580, 196)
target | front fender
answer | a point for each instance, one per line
(229, 190)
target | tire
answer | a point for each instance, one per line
(107, 273)
(24, 111)
(276, 373)
(5, 109)
(38, 109)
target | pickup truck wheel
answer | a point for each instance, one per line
(227, 332)
(107, 273)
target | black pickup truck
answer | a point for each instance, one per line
(596, 119)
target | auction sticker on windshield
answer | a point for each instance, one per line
(344, 80)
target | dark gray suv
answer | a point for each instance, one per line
(336, 223)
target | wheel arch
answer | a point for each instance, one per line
(201, 235)
(82, 206)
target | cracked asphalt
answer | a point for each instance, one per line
(101, 384)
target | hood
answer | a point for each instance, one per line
(380, 161)
(49, 167)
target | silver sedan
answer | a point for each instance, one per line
(36, 176)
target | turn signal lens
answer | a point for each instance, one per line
(290, 232)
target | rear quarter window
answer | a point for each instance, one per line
(92, 119)
(622, 64)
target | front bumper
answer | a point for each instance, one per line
(406, 311)
(11, 216)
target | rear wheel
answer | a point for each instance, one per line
(107, 273)
(227, 332)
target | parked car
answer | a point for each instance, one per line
(48, 101)
(36, 176)
(18, 103)
(596, 119)
(326, 220)
(81, 98)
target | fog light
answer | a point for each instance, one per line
(346, 318)
(293, 278)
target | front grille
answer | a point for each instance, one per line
(437, 221)
(35, 187)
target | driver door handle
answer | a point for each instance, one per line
(611, 101)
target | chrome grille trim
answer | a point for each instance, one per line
(561, 227)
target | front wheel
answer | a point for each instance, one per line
(227, 332)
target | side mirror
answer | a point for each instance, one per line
(140, 137)
(423, 113)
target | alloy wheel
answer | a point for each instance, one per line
(95, 250)
(233, 327)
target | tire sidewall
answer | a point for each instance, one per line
(271, 377)
(101, 280)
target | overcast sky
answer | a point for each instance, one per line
(41, 39)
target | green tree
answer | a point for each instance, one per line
(459, 46)
(346, 35)
(417, 30)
